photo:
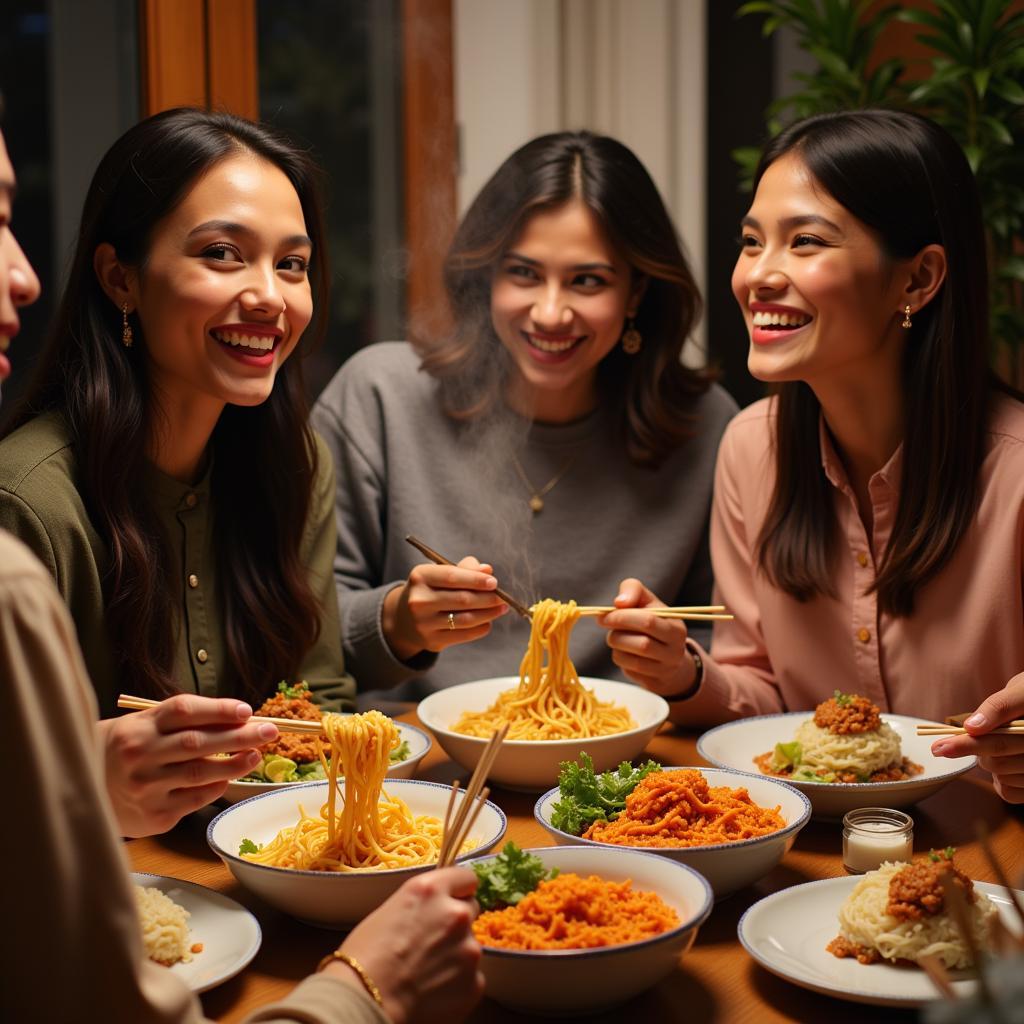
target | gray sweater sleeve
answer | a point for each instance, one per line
(350, 421)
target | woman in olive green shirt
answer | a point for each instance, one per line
(161, 465)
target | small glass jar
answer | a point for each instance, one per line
(872, 835)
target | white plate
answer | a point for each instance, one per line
(736, 744)
(230, 935)
(788, 931)
(419, 743)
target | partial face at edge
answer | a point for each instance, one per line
(819, 296)
(224, 294)
(19, 285)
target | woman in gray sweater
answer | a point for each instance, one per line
(554, 432)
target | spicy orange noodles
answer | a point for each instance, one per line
(680, 809)
(570, 912)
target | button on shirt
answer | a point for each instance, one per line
(964, 641)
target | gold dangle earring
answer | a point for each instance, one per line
(632, 339)
(906, 325)
(126, 328)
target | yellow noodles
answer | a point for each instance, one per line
(371, 830)
(549, 703)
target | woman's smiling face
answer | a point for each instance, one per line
(559, 299)
(817, 291)
(224, 294)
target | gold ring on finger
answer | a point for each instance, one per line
(451, 620)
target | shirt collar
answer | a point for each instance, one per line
(835, 471)
(172, 495)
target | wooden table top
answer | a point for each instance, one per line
(716, 980)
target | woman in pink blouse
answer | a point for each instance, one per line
(868, 521)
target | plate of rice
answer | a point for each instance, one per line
(888, 765)
(201, 935)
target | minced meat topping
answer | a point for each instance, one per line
(302, 748)
(916, 890)
(847, 713)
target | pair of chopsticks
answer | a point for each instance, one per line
(1014, 728)
(283, 724)
(697, 613)
(457, 828)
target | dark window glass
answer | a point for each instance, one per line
(329, 77)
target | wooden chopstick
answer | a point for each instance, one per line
(696, 614)
(1013, 729)
(936, 971)
(283, 724)
(439, 559)
(601, 609)
(981, 830)
(455, 833)
(956, 904)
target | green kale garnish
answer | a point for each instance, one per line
(842, 699)
(248, 846)
(504, 881)
(586, 797)
(946, 854)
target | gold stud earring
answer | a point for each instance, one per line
(632, 339)
(126, 328)
(906, 325)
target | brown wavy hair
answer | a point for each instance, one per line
(652, 392)
(908, 180)
(264, 457)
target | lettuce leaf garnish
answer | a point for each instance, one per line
(785, 755)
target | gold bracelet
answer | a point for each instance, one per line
(356, 966)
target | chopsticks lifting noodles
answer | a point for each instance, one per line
(1014, 728)
(283, 724)
(457, 830)
(439, 559)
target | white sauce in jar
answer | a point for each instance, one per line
(872, 835)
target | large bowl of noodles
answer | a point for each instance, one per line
(575, 981)
(331, 899)
(728, 865)
(736, 744)
(532, 765)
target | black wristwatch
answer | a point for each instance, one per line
(698, 664)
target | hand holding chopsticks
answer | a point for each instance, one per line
(161, 763)
(457, 827)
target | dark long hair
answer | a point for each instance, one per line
(263, 457)
(651, 391)
(907, 179)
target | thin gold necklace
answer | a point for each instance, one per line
(536, 501)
